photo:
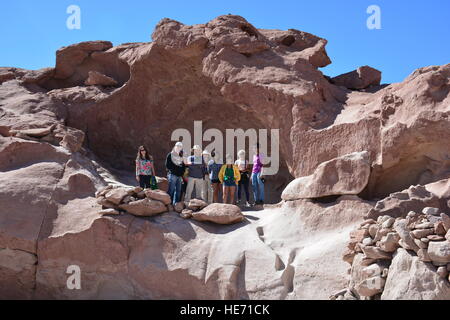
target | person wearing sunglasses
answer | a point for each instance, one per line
(145, 170)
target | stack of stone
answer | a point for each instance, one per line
(373, 245)
(146, 203)
(134, 200)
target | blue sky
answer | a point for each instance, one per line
(413, 33)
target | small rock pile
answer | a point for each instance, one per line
(146, 203)
(373, 245)
(134, 200)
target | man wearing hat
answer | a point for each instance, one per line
(196, 175)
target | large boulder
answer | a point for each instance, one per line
(348, 174)
(220, 213)
(360, 78)
(68, 58)
(411, 279)
(145, 207)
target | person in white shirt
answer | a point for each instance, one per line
(244, 182)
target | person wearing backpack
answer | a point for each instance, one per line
(145, 170)
(196, 175)
(244, 182)
(229, 175)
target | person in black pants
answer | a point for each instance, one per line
(144, 168)
(244, 182)
(175, 169)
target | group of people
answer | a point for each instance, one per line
(204, 173)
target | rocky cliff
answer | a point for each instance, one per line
(349, 147)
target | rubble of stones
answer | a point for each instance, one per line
(141, 202)
(425, 234)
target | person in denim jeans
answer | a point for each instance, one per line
(257, 177)
(175, 170)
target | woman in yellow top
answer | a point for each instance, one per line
(229, 176)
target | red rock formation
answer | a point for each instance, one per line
(61, 141)
(361, 78)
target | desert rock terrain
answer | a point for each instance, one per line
(358, 210)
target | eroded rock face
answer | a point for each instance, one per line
(62, 144)
(269, 78)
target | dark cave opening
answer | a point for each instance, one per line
(249, 30)
(288, 41)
